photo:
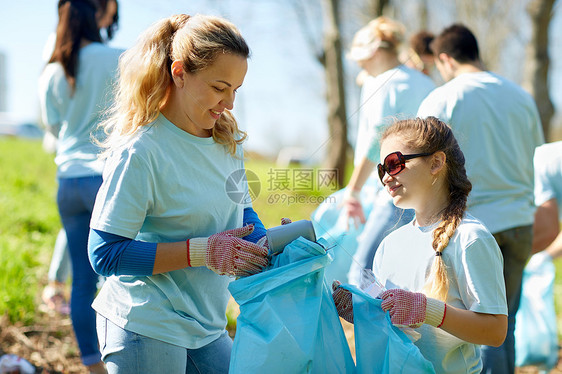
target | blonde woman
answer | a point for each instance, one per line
(164, 228)
(443, 270)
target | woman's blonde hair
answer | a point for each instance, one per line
(145, 73)
(429, 136)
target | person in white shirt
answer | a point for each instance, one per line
(442, 272)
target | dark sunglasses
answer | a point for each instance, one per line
(395, 162)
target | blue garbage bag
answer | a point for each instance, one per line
(536, 340)
(330, 225)
(381, 347)
(288, 322)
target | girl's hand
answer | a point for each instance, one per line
(343, 300)
(412, 309)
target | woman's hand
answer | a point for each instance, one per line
(227, 253)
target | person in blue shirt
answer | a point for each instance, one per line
(441, 273)
(166, 231)
(74, 88)
(498, 128)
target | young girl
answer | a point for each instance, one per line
(442, 271)
(164, 227)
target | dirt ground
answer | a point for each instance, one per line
(51, 347)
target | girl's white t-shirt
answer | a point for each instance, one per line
(475, 271)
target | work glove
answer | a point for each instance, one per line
(263, 240)
(412, 309)
(226, 253)
(343, 300)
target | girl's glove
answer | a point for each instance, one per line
(343, 300)
(226, 253)
(412, 309)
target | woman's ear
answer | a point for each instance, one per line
(178, 73)
(438, 161)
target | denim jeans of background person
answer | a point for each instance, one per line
(75, 198)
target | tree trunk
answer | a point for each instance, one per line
(337, 118)
(535, 76)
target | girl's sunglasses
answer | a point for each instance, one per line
(395, 162)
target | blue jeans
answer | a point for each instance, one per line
(75, 200)
(383, 219)
(125, 352)
(515, 245)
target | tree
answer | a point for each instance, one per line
(535, 75)
(336, 157)
(329, 55)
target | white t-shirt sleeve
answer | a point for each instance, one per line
(53, 92)
(125, 197)
(479, 273)
(544, 190)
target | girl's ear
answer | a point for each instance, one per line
(178, 73)
(438, 160)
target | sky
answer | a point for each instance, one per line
(282, 101)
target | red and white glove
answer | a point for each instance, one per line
(226, 253)
(263, 240)
(343, 300)
(412, 309)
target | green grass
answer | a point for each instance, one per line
(29, 223)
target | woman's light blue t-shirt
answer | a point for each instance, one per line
(167, 186)
(75, 115)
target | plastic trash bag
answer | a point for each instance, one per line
(288, 322)
(536, 341)
(330, 225)
(381, 347)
